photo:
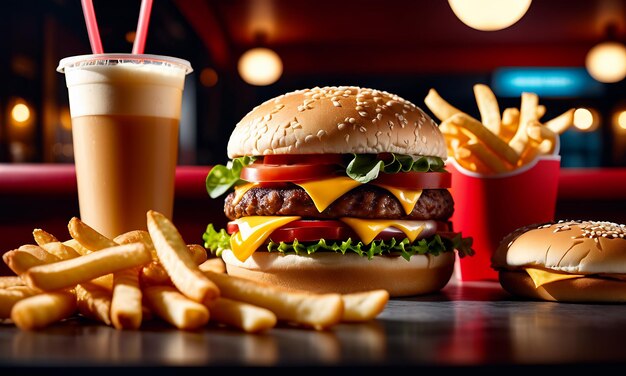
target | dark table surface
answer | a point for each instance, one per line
(468, 325)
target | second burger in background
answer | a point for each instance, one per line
(337, 189)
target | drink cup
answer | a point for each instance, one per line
(125, 113)
(488, 207)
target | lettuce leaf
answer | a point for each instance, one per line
(217, 242)
(362, 168)
(366, 167)
(221, 178)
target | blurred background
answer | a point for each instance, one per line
(404, 47)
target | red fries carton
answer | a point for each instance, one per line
(488, 207)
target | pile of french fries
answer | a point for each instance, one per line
(498, 142)
(154, 274)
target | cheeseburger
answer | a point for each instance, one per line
(569, 261)
(337, 189)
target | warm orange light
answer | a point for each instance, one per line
(20, 113)
(606, 62)
(621, 120)
(130, 36)
(260, 66)
(65, 119)
(585, 119)
(489, 15)
(208, 77)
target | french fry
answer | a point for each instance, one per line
(215, 264)
(39, 311)
(466, 160)
(487, 157)
(87, 236)
(105, 281)
(39, 253)
(545, 147)
(60, 250)
(528, 113)
(154, 274)
(439, 106)
(68, 273)
(94, 302)
(198, 253)
(247, 317)
(562, 122)
(27, 256)
(319, 311)
(455, 132)
(176, 309)
(75, 245)
(488, 107)
(42, 237)
(135, 236)
(540, 132)
(10, 281)
(126, 303)
(10, 296)
(541, 110)
(175, 258)
(510, 122)
(490, 140)
(19, 262)
(363, 306)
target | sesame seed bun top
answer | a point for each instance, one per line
(337, 120)
(582, 247)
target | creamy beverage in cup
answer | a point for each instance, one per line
(125, 113)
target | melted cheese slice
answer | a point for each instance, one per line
(323, 192)
(407, 197)
(368, 229)
(253, 231)
(541, 277)
(241, 190)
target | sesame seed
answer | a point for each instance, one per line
(362, 129)
(336, 104)
(341, 126)
(351, 120)
(363, 113)
(309, 138)
(321, 133)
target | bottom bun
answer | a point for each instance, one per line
(339, 273)
(576, 290)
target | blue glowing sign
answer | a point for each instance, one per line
(545, 82)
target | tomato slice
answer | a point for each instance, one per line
(257, 173)
(313, 230)
(416, 180)
(290, 159)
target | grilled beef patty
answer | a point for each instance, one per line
(366, 201)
